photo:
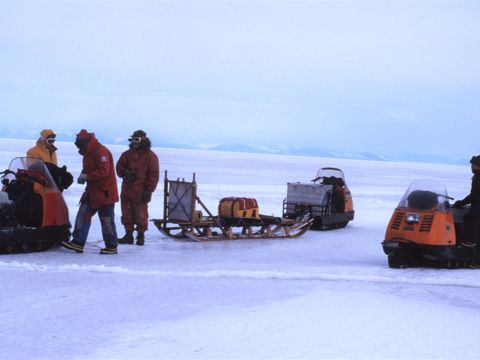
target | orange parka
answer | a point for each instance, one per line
(40, 150)
(98, 165)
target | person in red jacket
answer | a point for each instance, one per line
(100, 195)
(139, 169)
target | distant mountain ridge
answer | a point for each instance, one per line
(328, 153)
(280, 150)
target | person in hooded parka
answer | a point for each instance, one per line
(45, 149)
(139, 169)
(100, 194)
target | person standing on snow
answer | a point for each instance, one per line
(472, 217)
(139, 169)
(100, 195)
(45, 148)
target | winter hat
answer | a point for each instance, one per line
(83, 138)
(47, 133)
(475, 160)
(139, 133)
(84, 135)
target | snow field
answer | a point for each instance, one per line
(322, 296)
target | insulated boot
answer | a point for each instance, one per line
(127, 238)
(140, 239)
(109, 250)
(72, 246)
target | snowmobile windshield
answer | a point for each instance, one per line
(329, 173)
(425, 195)
(31, 169)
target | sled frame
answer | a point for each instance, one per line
(181, 220)
(179, 207)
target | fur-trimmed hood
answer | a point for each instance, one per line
(145, 144)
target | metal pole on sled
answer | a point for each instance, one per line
(165, 199)
(194, 196)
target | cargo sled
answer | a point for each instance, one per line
(33, 213)
(425, 230)
(237, 218)
(328, 200)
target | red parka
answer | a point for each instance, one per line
(144, 163)
(98, 165)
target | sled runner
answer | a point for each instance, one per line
(33, 213)
(425, 230)
(327, 199)
(238, 218)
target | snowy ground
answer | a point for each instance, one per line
(324, 295)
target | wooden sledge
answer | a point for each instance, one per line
(181, 219)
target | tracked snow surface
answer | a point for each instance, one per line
(326, 295)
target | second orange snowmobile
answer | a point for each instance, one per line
(425, 230)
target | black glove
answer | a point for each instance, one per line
(65, 178)
(458, 204)
(146, 196)
(82, 179)
(129, 176)
(60, 175)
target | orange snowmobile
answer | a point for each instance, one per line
(426, 231)
(33, 213)
(328, 200)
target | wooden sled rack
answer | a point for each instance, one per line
(183, 220)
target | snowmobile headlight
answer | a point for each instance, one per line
(412, 218)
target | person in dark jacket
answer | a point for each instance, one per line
(139, 169)
(100, 195)
(472, 217)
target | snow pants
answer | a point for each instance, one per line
(472, 229)
(83, 221)
(134, 213)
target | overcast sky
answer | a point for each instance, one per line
(386, 77)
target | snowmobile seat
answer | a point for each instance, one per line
(31, 175)
(339, 182)
(333, 180)
(338, 200)
(17, 188)
(422, 200)
(328, 180)
(28, 204)
(29, 211)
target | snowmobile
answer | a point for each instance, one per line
(327, 199)
(425, 230)
(238, 217)
(33, 213)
